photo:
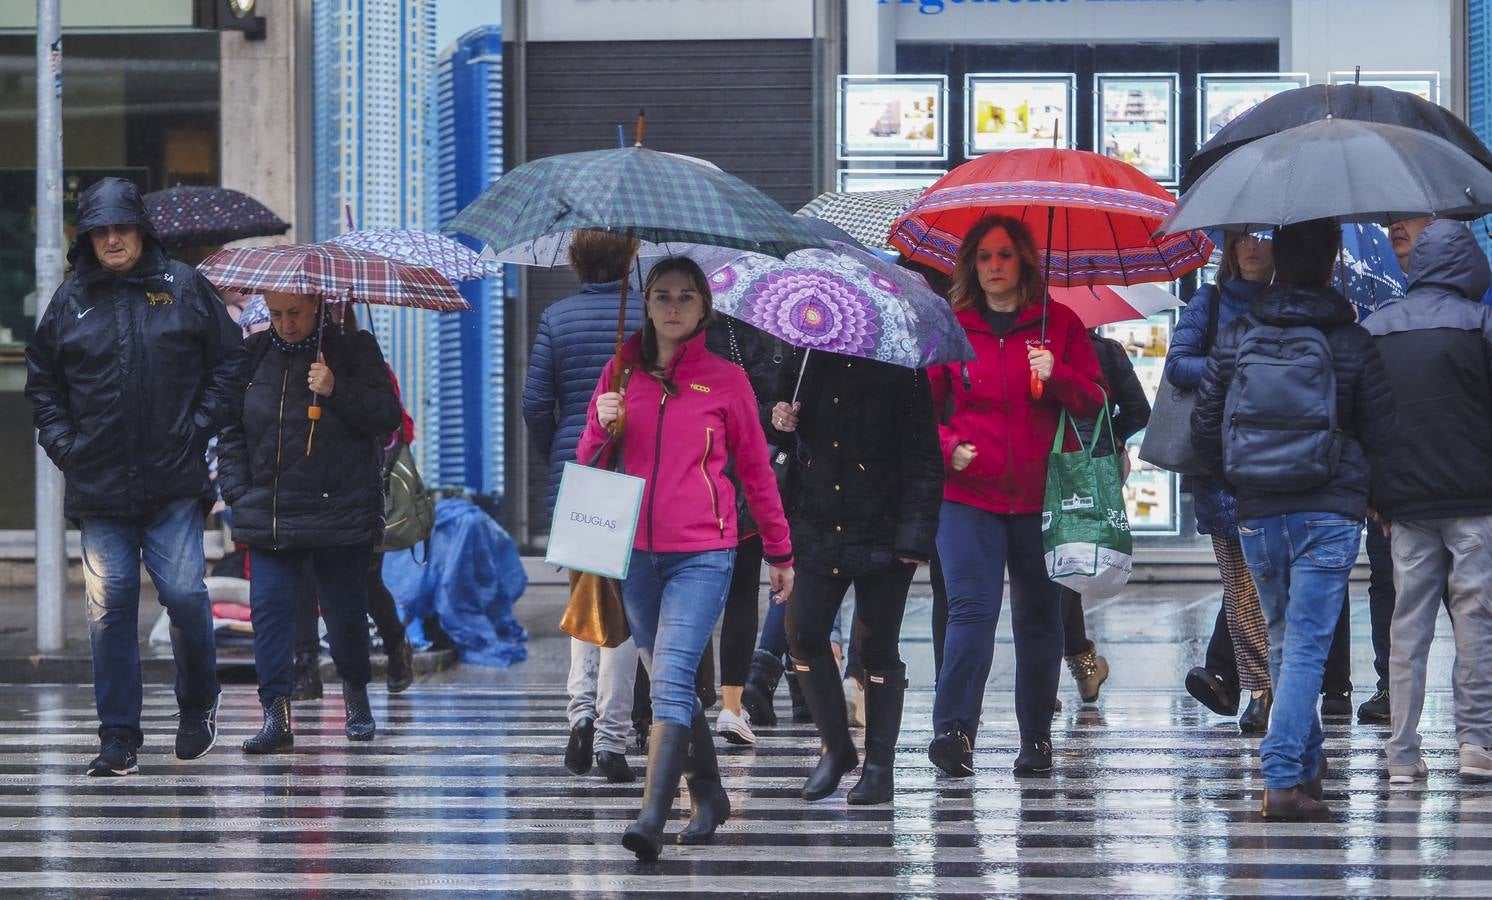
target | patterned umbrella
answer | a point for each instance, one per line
(842, 300)
(186, 216)
(332, 271)
(866, 215)
(452, 259)
(657, 197)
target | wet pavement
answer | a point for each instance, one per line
(464, 793)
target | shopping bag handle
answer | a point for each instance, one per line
(1105, 418)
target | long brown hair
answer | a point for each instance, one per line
(691, 270)
(965, 292)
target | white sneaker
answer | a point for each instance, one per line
(736, 729)
(1476, 761)
(854, 701)
(1408, 774)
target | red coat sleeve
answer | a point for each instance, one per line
(940, 379)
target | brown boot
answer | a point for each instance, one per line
(1291, 804)
(1090, 671)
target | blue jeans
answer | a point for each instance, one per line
(975, 547)
(1300, 563)
(774, 630)
(169, 542)
(342, 590)
(673, 601)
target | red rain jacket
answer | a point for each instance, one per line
(994, 411)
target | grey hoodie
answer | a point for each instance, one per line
(1435, 345)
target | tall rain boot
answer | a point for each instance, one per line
(822, 691)
(709, 806)
(884, 693)
(668, 745)
(761, 684)
(275, 735)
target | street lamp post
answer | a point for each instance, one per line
(51, 549)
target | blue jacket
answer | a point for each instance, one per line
(1216, 511)
(576, 337)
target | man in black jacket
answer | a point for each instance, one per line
(1300, 543)
(133, 368)
(1435, 487)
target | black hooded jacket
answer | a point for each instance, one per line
(1365, 402)
(129, 375)
(282, 497)
(1436, 345)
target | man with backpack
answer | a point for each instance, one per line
(1293, 401)
(1435, 488)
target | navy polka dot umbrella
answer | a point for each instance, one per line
(211, 216)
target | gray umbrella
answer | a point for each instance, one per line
(1351, 170)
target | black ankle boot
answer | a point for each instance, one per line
(884, 692)
(275, 735)
(360, 726)
(824, 694)
(307, 675)
(667, 746)
(401, 667)
(801, 713)
(709, 806)
(761, 684)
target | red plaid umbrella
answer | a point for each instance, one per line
(332, 271)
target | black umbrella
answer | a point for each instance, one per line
(1342, 101)
(212, 216)
(1355, 171)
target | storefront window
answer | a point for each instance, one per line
(140, 105)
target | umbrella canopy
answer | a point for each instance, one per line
(187, 216)
(1105, 213)
(1354, 171)
(657, 197)
(842, 300)
(1103, 304)
(866, 215)
(453, 260)
(332, 271)
(1365, 103)
(1367, 271)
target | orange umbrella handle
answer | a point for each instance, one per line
(1038, 387)
(313, 412)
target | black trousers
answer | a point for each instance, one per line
(381, 609)
(738, 625)
(880, 604)
(1074, 629)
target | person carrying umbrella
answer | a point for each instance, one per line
(995, 445)
(687, 410)
(308, 490)
(135, 365)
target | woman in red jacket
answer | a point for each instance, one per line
(687, 411)
(995, 446)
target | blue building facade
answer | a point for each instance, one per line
(466, 367)
(1479, 80)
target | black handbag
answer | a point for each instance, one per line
(1168, 435)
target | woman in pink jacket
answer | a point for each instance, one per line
(687, 412)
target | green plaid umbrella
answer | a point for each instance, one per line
(661, 198)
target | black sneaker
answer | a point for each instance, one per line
(1035, 758)
(1336, 706)
(1212, 691)
(197, 731)
(578, 754)
(114, 760)
(1374, 710)
(952, 753)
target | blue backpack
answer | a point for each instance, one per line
(1280, 429)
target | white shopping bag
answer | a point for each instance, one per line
(595, 518)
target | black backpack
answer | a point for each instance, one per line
(1280, 430)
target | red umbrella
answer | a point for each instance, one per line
(1101, 304)
(1092, 218)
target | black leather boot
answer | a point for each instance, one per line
(667, 746)
(360, 726)
(401, 667)
(761, 684)
(884, 692)
(307, 677)
(274, 736)
(708, 804)
(801, 713)
(824, 694)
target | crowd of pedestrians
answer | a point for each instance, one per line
(1309, 423)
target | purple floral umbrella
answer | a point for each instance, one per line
(449, 257)
(842, 300)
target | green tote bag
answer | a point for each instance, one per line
(1084, 528)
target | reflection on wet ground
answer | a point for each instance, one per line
(464, 793)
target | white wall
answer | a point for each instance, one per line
(1394, 35)
(668, 20)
